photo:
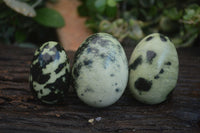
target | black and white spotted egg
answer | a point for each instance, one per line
(100, 70)
(49, 73)
(153, 68)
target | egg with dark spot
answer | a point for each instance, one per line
(100, 70)
(50, 73)
(153, 68)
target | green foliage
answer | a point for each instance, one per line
(121, 28)
(192, 15)
(100, 5)
(49, 17)
(20, 36)
(137, 18)
(17, 28)
(98, 10)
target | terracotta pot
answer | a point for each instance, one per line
(74, 32)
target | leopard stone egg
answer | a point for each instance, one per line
(100, 70)
(49, 73)
(154, 69)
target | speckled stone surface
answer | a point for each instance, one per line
(154, 69)
(49, 73)
(100, 70)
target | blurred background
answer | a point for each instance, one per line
(29, 23)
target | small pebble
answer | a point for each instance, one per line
(91, 121)
(57, 115)
(98, 118)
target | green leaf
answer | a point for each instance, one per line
(160, 4)
(82, 10)
(173, 13)
(193, 6)
(100, 5)
(49, 17)
(5, 13)
(20, 36)
(90, 5)
(189, 14)
(111, 9)
(168, 25)
(111, 3)
(92, 24)
(146, 3)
